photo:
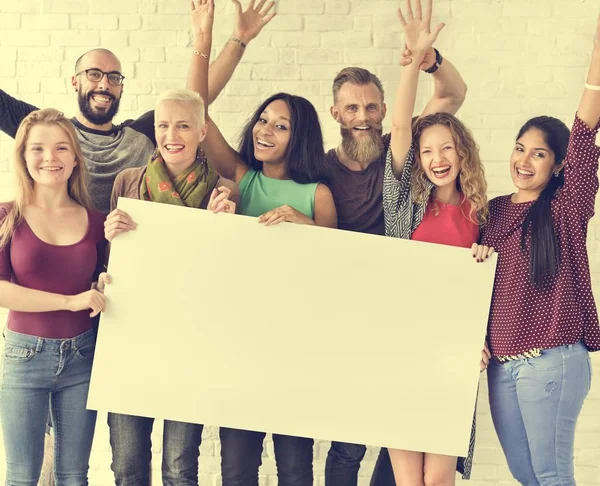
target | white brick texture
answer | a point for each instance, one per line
(519, 59)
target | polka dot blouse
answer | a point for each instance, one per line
(524, 318)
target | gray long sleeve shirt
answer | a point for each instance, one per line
(106, 153)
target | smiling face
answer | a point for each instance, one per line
(178, 133)
(271, 133)
(360, 111)
(532, 163)
(98, 101)
(438, 155)
(49, 155)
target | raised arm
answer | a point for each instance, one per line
(12, 113)
(418, 38)
(221, 155)
(589, 106)
(248, 24)
(450, 89)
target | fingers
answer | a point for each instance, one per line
(268, 18)
(267, 8)
(211, 201)
(418, 10)
(218, 202)
(428, 12)
(276, 220)
(401, 17)
(238, 6)
(115, 227)
(97, 302)
(259, 5)
(264, 217)
(486, 349)
(409, 12)
(481, 252)
(405, 61)
(103, 281)
(437, 29)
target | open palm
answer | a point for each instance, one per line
(249, 22)
(418, 35)
(202, 16)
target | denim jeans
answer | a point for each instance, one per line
(343, 463)
(535, 403)
(42, 375)
(241, 452)
(130, 440)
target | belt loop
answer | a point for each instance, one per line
(39, 344)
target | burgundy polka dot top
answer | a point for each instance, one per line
(524, 318)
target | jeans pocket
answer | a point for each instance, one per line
(86, 351)
(18, 354)
(550, 360)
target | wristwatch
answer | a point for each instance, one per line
(436, 64)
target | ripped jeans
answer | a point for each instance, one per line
(535, 403)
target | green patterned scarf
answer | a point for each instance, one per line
(192, 188)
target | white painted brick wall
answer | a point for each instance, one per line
(519, 59)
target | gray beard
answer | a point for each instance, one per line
(364, 150)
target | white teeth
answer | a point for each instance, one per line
(102, 99)
(51, 169)
(174, 147)
(361, 128)
(264, 143)
(440, 170)
(524, 172)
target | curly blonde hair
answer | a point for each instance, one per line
(471, 178)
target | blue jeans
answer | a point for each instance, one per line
(130, 440)
(535, 403)
(343, 463)
(241, 452)
(39, 376)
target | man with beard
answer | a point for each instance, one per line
(356, 181)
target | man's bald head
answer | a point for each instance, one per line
(99, 51)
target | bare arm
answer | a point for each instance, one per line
(22, 299)
(589, 106)
(419, 38)
(450, 90)
(248, 24)
(325, 212)
(222, 156)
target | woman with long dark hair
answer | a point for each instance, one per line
(543, 320)
(280, 171)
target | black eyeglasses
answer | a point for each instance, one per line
(95, 75)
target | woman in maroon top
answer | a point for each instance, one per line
(543, 320)
(51, 250)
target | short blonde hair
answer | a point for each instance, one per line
(78, 181)
(187, 96)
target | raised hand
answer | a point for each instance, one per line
(249, 22)
(418, 35)
(202, 16)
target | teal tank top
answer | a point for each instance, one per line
(259, 194)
